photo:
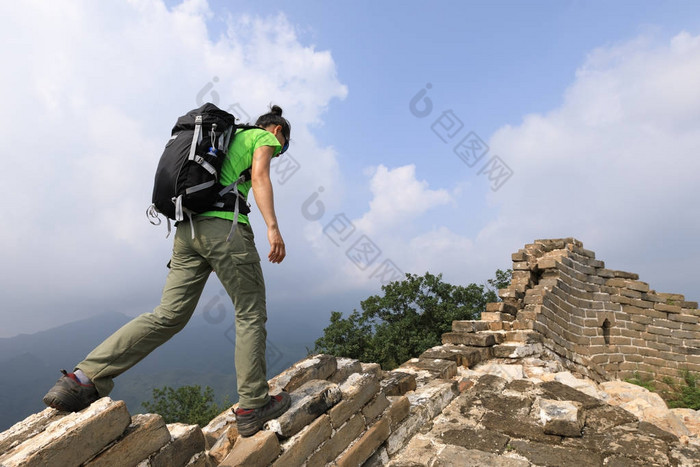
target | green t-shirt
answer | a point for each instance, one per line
(240, 158)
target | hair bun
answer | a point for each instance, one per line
(276, 109)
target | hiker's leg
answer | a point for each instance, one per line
(237, 264)
(136, 339)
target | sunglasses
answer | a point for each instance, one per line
(285, 147)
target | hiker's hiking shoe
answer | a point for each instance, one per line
(69, 394)
(250, 421)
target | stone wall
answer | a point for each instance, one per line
(494, 393)
(608, 323)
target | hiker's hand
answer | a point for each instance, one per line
(277, 251)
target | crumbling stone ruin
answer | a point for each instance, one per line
(535, 382)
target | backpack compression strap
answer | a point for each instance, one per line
(233, 188)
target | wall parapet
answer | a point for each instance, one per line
(607, 323)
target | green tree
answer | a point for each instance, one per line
(409, 318)
(186, 404)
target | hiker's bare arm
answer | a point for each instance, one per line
(264, 198)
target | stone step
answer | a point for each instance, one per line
(470, 326)
(438, 369)
(474, 340)
(498, 336)
(310, 401)
(496, 316)
(397, 383)
(72, 439)
(523, 337)
(460, 354)
(501, 307)
(516, 350)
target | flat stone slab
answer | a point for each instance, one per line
(145, 435)
(344, 368)
(397, 383)
(460, 354)
(364, 447)
(319, 366)
(185, 442)
(547, 454)
(440, 369)
(422, 450)
(562, 418)
(27, 428)
(73, 439)
(469, 326)
(298, 448)
(309, 402)
(516, 350)
(260, 449)
(217, 426)
(475, 340)
(559, 391)
(356, 391)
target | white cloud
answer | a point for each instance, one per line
(93, 91)
(398, 197)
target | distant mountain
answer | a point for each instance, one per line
(202, 354)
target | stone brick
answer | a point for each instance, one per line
(72, 439)
(340, 440)
(220, 449)
(145, 435)
(674, 297)
(308, 402)
(476, 340)
(547, 263)
(185, 441)
(667, 308)
(460, 354)
(684, 318)
(359, 389)
(296, 450)
(425, 403)
(520, 255)
(27, 428)
(260, 449)
(364, 447)
(344, 368)
(398, 411)
(469, 326)
(545, 454)
(315, 367)
(398, 383)
(626, 275)
(375, 407)
(441, 369)
(496, 316)
(561, 418)
(374, 368)
(501, 307)
(218, 426)
(631, 293)
(659, 330)
(616, 282)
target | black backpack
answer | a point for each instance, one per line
(187, 178)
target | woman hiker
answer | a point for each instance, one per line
(237, 265)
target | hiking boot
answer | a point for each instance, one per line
(250, 421)
(69, 394)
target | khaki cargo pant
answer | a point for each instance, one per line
(237, 264)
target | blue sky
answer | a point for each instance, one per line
(593, 107)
